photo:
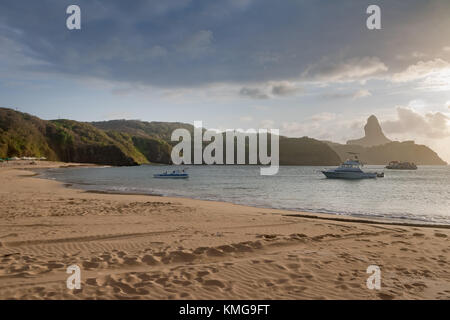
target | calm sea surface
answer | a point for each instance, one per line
(420, 196)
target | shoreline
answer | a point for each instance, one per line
(292, 212)
(152, 247)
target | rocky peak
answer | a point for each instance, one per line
(373, 134)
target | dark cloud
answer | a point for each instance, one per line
(348, 70)
(198, 42)
(284, 89)
(271, 89)
(254, 93)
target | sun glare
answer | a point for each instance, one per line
(438, 80)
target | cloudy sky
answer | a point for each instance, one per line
(307, 67)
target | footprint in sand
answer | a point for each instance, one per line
(293, 266)
(420, 285)
(385, 296)
(213, 252)
(201, 274)
(149, 260)
(226, 248)
(54, 265)
(121, 254)
(90, 265)
(240, 247)
(298, 236)
(440, 235)
(131, 260)
(144, 277)
(269, 236)
(179, 256)
(212, 282)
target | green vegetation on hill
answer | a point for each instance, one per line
(24, 135)
(156, 130)
(293, 151)
(133, 142)
(155, 150)
(122, 142)
(306, 151)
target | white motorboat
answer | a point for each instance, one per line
(351, 169)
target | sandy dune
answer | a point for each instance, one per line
(146, 247)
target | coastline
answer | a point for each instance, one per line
(287, 212)
(154, 247)
(382, 217)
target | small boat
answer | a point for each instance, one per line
(176, 174)
(397, 165)
(351, 170)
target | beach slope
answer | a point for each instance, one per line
(148, 247)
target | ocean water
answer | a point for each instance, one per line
(421, 196)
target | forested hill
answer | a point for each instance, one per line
(121, 142)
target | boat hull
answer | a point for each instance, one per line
(349, 175)
(171, 176)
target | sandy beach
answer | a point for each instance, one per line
(149, 247)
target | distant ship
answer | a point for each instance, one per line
(401, 165)
(176, 174)
(351, 169)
